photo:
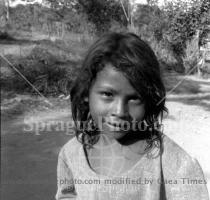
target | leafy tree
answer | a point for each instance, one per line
(152, 2)
(151, 17)
(101, 13)
(186, 17)
(59, 4)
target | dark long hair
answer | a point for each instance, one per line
(136, 60)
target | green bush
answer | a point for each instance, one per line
(46, 73)
(192, 54)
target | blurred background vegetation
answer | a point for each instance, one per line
(46, 42)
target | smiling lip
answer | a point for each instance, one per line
(116, 126)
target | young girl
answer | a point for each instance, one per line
(119, 151)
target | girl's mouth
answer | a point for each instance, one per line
(117, 126)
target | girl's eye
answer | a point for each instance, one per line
(136, 99)
(106, 94)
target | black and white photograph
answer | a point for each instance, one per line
(105, 99)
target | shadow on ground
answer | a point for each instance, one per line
(29, 167)
(29, 153)
(189, 90)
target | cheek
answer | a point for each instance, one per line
(137, 113)
(97, 108)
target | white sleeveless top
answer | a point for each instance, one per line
(183, 176)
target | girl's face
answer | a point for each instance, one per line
(114, 104)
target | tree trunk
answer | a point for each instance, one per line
(7, 9)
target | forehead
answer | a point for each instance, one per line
(111, 78)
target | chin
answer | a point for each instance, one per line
(114, 134)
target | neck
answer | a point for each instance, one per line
(133, 137)
(105, 141)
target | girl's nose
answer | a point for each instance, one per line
(120, 109)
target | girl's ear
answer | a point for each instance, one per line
(86, 99)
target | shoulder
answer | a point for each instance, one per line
(176, 160)
(70, 149)
(183, 171)
(172, 149)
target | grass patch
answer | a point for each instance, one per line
(50, 69)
